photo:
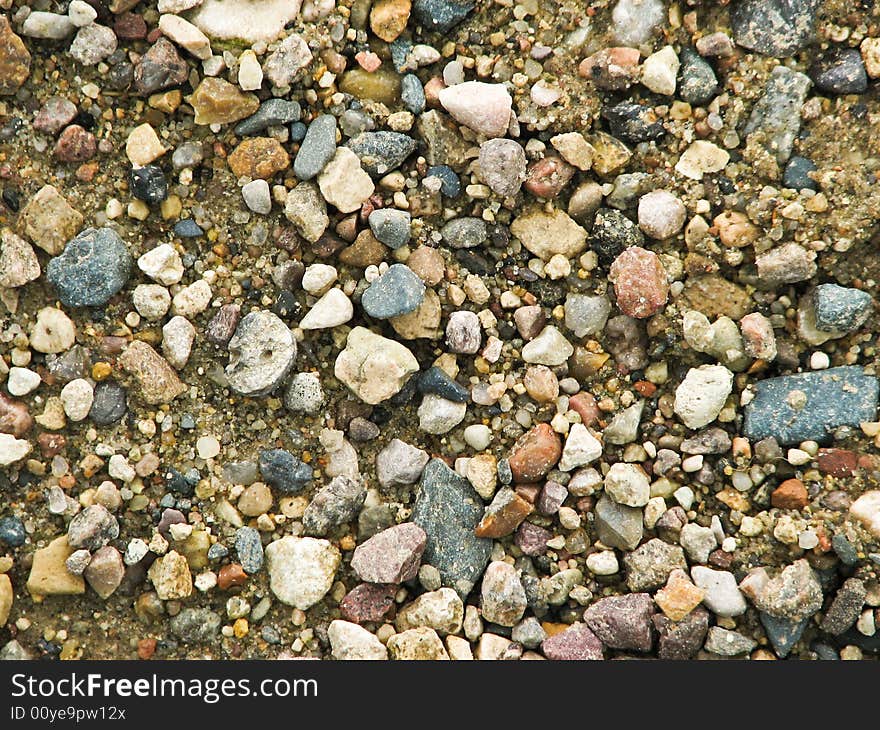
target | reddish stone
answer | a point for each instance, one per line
(75, 144)
(639, 282)
(51, 444)
(222, 325)
(367, 602)
(230, 576)
(645, 388)
(390, 556)
(14, 416)
(504, 515)
(614, 69)
(535, 453)
(623, 622)
(146, 648)
(130, 27)
(159, 68)
(791, 494)
(681, 640)
(837, 462)
(55, 114)
(720, 559)
(547, 177)
(584, 404)
(575, 643)
(531, 539)
(529, 492)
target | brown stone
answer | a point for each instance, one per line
(130, 27)
(368, 602)
(15, 60)
(222, 325)
(158, 381)
(146, 648)
(105, 571)
(388, 18)
(14, 416)
(427, 263)
(837, 462)
(423, 322)
(639, 282)
(161, 67)
(216, 101)
(735, 229)
(584, 404)
(258, 157)
(791, 494)
(76, 144)
(51, 444)
(49, 575)
(535, 453)
(367, 250)
(504, 515)
(230, 576)
(714, 296)
(49, 221)
(679, 597)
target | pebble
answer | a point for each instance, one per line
(549, 348)
(701, 157)
(49, 26)
(92, 44)
(258, 158)
(304, 393)
(400, 464)
(634, 123)
(702, 394)
(797, 174)
(846, 607)
(833, 311)
(649, 566)
(161, 67)
(448, 509)
(15, 60)
(581, 448)
(350, 642)
(640, 283)
(49, 575)
(776, 115)
(634, 21)
(463, 333)
(77, 397)
(105, 571)
(661, 214)
(250, 549)
(412, 94)
(679, 597)
(576, 643)
(261, 354)
(699, 84)
(774, 27)
(627, 484)
(549, 234)
(396, 292)
(301, 570)
(157, 381)
(373, 367)
(723, 597)
(808, 406)
(93, 267)
(502, 597)
(728, 643)
(391, 227)
(317, 148)
(623, 622)
(464, 233)
(12, 531)
(110, 403)
(257, 196)
(793, 595)
(503, 166)
(283, 471)
(421, 644)
(216, 101)
(148, 183)
(484, 108)
(196, 625)
(390, 556)
(288, 61)
(55, 114)
(335, 504)
(441, 610)
(273, 112)
(306, 210)
(382, 152)
(13, 449)
(49, 221)
(659, 71)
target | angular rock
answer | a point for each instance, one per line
(301, 570)
(623, 622)
(390, 556)
(373, 367)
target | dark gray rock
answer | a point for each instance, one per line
(283, 471)
(612, 233)
(196, 625)
(12, 532)
(93, 267)
(448, 509)
(437, 381)
(633, 122)
(774, 27)
(728, 643)
(840, 71)
(336, 504)
(398, 291)
(317, 149)
(797, 174)
(450, 184)
(110, 403)
(382, 152)
(272, 112)
(412, 93)
(845, 608)
(777, 114)
(465, 232)
(148, 183)
(697, 83)
(795, 408)
(623, 622)
(840, 309)
(845, 550)
(441, 15)
(250, 549)
(782, 633)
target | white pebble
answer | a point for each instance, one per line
(207, 447)
(819, 361)
(478, 436)
(22, 381)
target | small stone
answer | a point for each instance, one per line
(679, 597)
(196, 625)
(336, 504)
(698, 542)
(611, 69)
(723, 597)
(18, 262)
(548, 348)
(581, 448)
(484, 108)
(288, 61)
(623, 622)
(640, 283)
(787, 264)
(502, 597)
(92, 44)
(464, 232)
(250, 73)
(534, 454)
(392, 227)
(162, 264)
(373, 367)
(15, 60)
(284, 472)
(627, 484)
(105, 571)
(463, 333)
(396, 292)
(306, 209)
(382, 152)
(698, 81)
(661, 214)
(216, 101)
(92, 528)
(548, 234)
(659, 71)
(797, 174)
(390, 556)
(94, 266)
(258, 158)
(261, 354)
(304, 394)
(161, 67)
(776, 119)
(76, 145)
(650, 566)
(14, 417)
(13, 449)
(586, 315)
(632, 123)
(503, 166)
(836, 310)
(55, 114)
(273, 112)
(503, 515)
(421, 644)
(846, 607)
(700, 158)
(728, 643)
(438, 415)
(367, 602)
(399, 464)
(50, 26)
(702, 394)
(148, 183)
(348, 642)
(49, 575)
(49, 221)
(795, 594)
(257, 196)
(249, 549)
(576, 643)
(77, 397)
(774, 27)
(440, 610)
(301, 570)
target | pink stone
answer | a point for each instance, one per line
(575, 643)
(391, 556)
(639, 282)
(368, 61)
(484, 108)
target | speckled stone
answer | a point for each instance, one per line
(93, 267)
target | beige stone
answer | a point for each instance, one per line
(49, 575)
(49, 221)
(143, 145)
(171, 577)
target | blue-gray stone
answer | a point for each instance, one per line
(93, 267)
(840, 71)
(336, 504)
(448, 509)
(412, 94)
(450, 183)
(283, 471)
(774, 27)
(465, 232)
(697, 82)
(400, 49)
(180, 483)
(217, 551)
(298, 132)
(398, 291)
(12, 532)
(382, 152)
(317, 149)
(845, 550)
(110, 403)
(188, 228)
(809, 406)
(840, 309)
(391, 226)
(797, 174)
(505, 475)
(783, 633)
(272, 112)
(437, 381)
(441, 15)
(777, 114)
(249, 549)
(633, 122)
